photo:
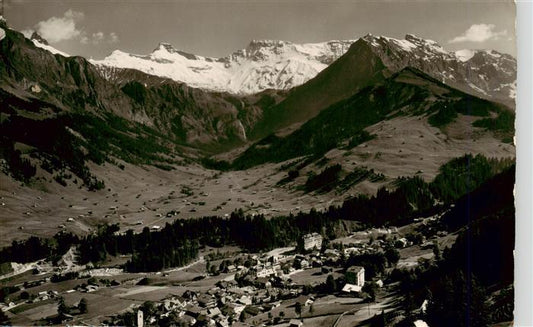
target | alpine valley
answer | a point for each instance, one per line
(364, 134)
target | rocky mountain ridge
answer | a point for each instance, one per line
(272, 64)
(263, 64)
(31, 71)
(485, 73)
(372, 59)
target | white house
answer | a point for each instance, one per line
(356, 275)
(312, 240)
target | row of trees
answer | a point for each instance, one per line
(177, 243)
(21, 168)
(35, 248)
(325, 181)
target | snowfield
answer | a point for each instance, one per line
(282, 65)
(49, 48)
(264, 64)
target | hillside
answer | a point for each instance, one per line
(371, 59)
(74, 84)
(76, 134)
(409, 93)
(135, 117)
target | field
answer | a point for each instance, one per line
(136, 202)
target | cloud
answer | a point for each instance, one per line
(66, 28)
(479, 33)
(113, 37)
(99, 37)
(56, 29)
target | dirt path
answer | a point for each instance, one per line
(200, 260)
(364, 312)
(140, 289)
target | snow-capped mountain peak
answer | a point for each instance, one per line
(486, 73)
(276, 64)
(263, 64)
(40, 42)
(164, 49)
(465, 54)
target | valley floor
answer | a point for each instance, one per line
(145, 196)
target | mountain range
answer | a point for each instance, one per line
(364, 112)
(270, 64)
(195, 106)
(282, 65)
(263, 64)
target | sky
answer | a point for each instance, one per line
(94, 28)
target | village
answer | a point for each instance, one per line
(318, 282)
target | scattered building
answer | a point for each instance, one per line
(401, 243)
(312, 241)
(206, 301)
(35, 88)
(265, 272)
(355, 275)
(420, 323)
(295, 323)
(305, 300)
(351, 288)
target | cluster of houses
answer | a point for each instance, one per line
(261, 284)
(219, 306)
(225, 304)
(260, 287)
(45, 295)
(41, 296)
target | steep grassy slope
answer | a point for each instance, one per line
(409, 92)
(356, 69)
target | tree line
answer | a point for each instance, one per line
(178, 242)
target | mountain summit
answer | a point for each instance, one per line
(485, 73)
(276, 64)
(263, 64)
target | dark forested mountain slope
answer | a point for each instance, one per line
(72, 83)
(62, 111)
